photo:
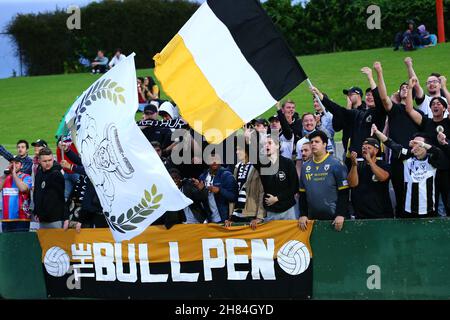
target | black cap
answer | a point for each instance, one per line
(274, 117)
(151, 107)
(16, 159)
(373, 142)
(353, 90)
(39, 143)
(261, 121)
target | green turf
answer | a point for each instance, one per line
(31, 107)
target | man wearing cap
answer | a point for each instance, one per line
(38, 145)
(15, 187)
(261, 125)
(369, 180)
(162, 135)
(22, 151)
(357, 122)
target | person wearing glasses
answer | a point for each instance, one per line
(436, 87)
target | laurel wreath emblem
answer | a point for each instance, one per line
(128, 221)
(105, 89)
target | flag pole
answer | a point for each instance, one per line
(315, 95)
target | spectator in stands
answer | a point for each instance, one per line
(15, 186)
(324, 119)
(357, 122)
(118, 57)
(100, 63)
(152, 89)
(408, 39)
(292, 118)
(278, 123)
(306, 152)
(142, 100)
(421, 162)
(369, 180)
(261, 125)
(91, 212)
(22, 147)
(436, 87)
(165, 160)
(38, 145)
(401, 129)
(197, 212)
(49, 192)
(221, 186)
(280, 182)
(310, 125)
(154, 133)
(431, 127)
(324, 188)
(70, 177)
(249, 207)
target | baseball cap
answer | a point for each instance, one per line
(353, 90)
(373, 142)
(151, 107)
(274, 117)
(39, 143)
(261, 121)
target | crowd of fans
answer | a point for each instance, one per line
(395, 163)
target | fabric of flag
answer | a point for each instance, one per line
(131, 182)
(227, 65)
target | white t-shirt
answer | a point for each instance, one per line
(116, 60)
(425, 107)
(286, 146)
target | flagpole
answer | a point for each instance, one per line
(315, 95)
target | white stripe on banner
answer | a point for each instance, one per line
(224, 66)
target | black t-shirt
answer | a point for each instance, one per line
(429, 127)
(401, 126)
(161, 135)
(371, 198)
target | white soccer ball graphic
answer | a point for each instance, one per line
(56, 262)
(293, 257)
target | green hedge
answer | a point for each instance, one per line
(340, 25)
(141, 26)
(145, 26)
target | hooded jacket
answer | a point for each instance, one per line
(48, 194)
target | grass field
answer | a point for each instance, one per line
(32, 107)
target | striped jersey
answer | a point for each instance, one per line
(420, 190)
(16, 204)
(419, 177)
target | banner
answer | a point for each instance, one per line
(185, 262)
(131, 182)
